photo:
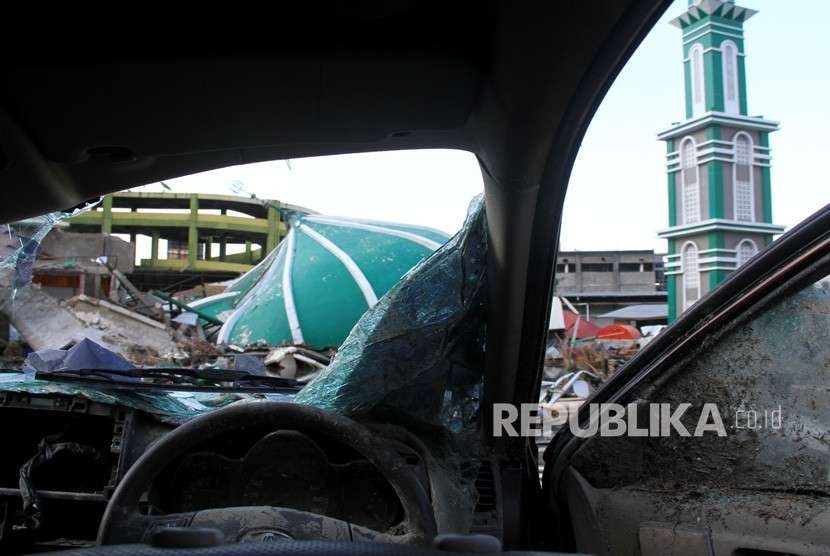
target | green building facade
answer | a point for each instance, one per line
(717, 159)
(199, 227)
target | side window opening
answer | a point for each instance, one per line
(729, 58)
(691, 193)
(691, 275)
(744, 194)
(698, 83)
(746, 250)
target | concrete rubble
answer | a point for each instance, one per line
(46, 323)
(59, 288)
(295, 362)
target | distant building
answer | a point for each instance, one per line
(202, 231)
(66, 267)
(598, 282)
(718, 159)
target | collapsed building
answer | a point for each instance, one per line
(296, 305)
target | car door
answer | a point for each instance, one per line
(757, 350)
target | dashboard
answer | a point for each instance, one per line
(60, 461)
(63, 457)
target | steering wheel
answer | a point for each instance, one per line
(123, 522)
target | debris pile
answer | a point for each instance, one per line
(284, 318)
(597, 357)
(580, 357)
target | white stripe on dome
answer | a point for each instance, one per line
(357, 275)
(238, 312)
(420, 240)
(380, 223)
(199, 302)
(264, 262)
(288, 292)
(225, 331)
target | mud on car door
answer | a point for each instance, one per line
(758, 350)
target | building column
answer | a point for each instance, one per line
(96, 286)
(208, 247)
(193, 232)
(273, 230)
(81, 284)
(114, 288)
(766, 189)
(154, 248)
(715, 170)
(106, 221)
(223, 246)
(671, 287)
(248, 254)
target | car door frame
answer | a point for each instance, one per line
(773, 273)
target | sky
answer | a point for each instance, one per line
(617, 193)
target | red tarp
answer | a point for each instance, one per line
(618, 332)
(586, 328)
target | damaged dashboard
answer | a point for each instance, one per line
(64, 456)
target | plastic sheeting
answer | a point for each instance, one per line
(86, 354)
(48, 449)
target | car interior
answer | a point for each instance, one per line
(109, 106)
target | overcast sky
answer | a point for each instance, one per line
(617, 195)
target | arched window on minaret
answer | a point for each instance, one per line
(698, 84)
(746, 250)
(744, 197)
(691, 275)
(729, 57)
(689, 177)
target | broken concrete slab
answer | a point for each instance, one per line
(61, 247)
(122, 326)
(45, 323)
(42, 322)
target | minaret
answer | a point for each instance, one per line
(718, 159)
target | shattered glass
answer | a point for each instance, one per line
(21, 246)
(417, 357)
(21, 242)
(417, 351)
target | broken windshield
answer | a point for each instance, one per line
(248, 280)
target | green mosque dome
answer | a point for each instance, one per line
(318, 282)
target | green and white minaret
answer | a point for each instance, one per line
(718, 159)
